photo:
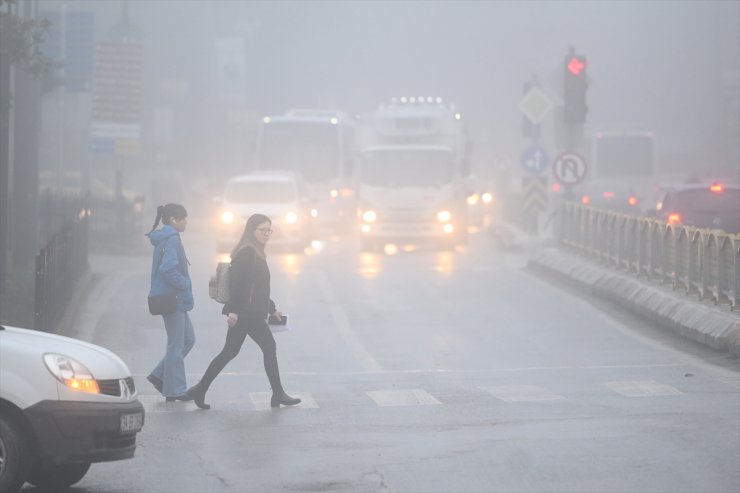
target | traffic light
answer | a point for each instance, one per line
(575, 87)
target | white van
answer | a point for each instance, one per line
(64, 404)
(281, 195)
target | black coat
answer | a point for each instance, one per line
(249, 285)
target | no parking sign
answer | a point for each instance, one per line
(569, 168)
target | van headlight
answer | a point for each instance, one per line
(227, 217)
(369, 216)
(487, 197)
(291, 218)
(71, 373)
(444, 216)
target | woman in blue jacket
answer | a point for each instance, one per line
(170, 275)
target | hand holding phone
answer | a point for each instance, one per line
(283, 320)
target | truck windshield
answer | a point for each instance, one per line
(311, 148)
(407, 167)
(263, 192)
(620, 156)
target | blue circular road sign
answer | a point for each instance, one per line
(535, 159)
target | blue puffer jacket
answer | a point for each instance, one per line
(172, 275)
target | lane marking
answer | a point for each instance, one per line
(522, 393)
(645, 388)
(405, 397)
(341, 321)
(433, 371)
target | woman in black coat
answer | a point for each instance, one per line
(247, 311)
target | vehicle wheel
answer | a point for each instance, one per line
(15, 455)
(55, 477)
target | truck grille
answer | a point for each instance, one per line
(406, 215)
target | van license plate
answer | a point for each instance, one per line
(131, 422)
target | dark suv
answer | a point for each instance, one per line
(714, 206)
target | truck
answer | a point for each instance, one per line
(414, 160)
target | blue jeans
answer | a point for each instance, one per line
(180, 340)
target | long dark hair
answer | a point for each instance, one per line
(248, 235)
(167, 213)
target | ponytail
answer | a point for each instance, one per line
(167, 212)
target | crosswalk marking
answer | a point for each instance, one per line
(405, 397)
(522, 393)
(261, 400)
(734, 382)
(643, 388)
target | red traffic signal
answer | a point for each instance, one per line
(576, 65)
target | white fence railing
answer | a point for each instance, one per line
(699, 261)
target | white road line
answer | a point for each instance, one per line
(643, 389)
(422, 371)
(522, 393)
(358, 351)
(405, 397)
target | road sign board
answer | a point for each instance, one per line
(535, 160)
(535, 193)
(535, 105)
(569, 168)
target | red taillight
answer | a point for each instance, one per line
(556, 187)
(585, 200)
(674, 218)
(632, 200)
(717, 188)
(608, 195)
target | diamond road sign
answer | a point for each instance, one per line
(535, 105)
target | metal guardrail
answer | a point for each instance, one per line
(699, 261)
(59, 266)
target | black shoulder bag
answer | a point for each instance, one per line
(162, 304)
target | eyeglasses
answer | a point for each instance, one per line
(265, 231)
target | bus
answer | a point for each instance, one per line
(320, 145)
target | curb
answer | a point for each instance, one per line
(708, 325)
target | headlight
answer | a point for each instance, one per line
(291, 218)
(487, 197)
(71, 373)
(314, 213)
(444, 216)
(369, 216)
(334, 193)
(448, 228)
(227, 217)
(473, 199)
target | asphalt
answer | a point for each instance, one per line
(715, 326)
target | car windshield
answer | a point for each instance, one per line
(707, 201)
(407, 167)
(264, 192)
(311, 148)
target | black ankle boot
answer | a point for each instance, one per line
(198, 393)
(156, 383)
(280, 397)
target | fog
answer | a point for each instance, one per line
(668, 67)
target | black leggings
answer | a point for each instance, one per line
(260, 332)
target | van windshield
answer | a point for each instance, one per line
(264, 192)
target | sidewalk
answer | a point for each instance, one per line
(104, 278)
(714, 326)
